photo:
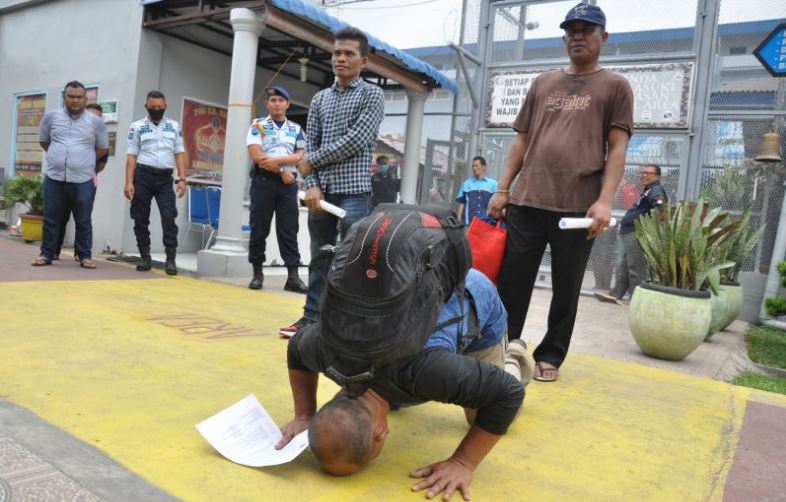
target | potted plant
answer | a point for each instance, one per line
(27, 190)
(670, 316)
(737, 250)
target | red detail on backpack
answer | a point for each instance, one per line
(371, 273)
(380, 233)
(429, 221)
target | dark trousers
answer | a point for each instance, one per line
(529, 231)
(63, 225)
(270, 195)
(147, 186)
(324, 228)
(59, 195)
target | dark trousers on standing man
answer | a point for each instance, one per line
(151, 183)
(59, 195)
(529, 231)
(270, 195)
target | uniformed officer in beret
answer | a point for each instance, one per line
(155, 150)
(275, 145)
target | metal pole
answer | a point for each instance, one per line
(705, 42)
(409, 175)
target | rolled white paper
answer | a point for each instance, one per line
(571, 223)
(326, 206)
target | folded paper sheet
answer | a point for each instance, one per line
(573, 223)
(245, 434)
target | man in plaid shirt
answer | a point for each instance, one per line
(341, 134)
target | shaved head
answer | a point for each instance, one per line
(341, 435)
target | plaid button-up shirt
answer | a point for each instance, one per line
(341, 135)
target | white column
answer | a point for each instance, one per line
(229, 252)
(409, 174)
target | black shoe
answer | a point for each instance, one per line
(170, 267)
(290, 331)
(144, 264)
(256, 281)
(295, 285)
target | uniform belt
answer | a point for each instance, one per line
(155, 170)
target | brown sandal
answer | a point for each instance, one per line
(87, 263)
(41, 261)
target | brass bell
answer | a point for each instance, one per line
(769, 151)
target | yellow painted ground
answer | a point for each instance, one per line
(131, 366)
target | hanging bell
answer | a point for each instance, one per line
(769, 151)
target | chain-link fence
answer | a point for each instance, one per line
(658, 45)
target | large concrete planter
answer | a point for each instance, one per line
(32, 227)
(669, 323)
(734, 298)
(723, 305)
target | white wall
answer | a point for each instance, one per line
(44, 46)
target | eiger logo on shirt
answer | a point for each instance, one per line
(568, 102)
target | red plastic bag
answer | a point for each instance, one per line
(487, 243)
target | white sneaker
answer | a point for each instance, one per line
(519, 362)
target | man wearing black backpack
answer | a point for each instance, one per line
(461, 363)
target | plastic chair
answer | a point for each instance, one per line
(199, 211)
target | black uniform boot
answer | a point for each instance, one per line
(144, 260)
(258, 279)
(170, 266)
(294, 283)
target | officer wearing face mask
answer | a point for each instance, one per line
(155, 150)
(384, 186)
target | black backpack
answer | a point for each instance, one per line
(388, 282)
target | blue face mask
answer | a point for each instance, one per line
(383, 168)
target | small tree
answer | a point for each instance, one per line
(27, 190)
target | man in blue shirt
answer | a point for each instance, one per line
(73, 139)
(475, 193)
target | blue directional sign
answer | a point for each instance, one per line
(772, 51)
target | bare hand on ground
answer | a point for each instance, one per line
(292, 429)
(446, 476)
(600, 212)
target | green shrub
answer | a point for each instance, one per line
(775, 306)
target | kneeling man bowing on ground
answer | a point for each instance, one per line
(466, 360)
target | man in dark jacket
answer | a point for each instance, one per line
(468, 363)
(384, 186)
(633, 267)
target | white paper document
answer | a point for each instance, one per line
(245, 434)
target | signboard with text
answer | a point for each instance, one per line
(772, 51)
(28, 155)
(661, 93)
(204, 134)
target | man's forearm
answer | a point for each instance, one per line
(130, 168)
(615, 165)
(474, 447)
(304, 392)
(180, 162)
(514, 161)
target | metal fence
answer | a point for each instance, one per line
(703, 101)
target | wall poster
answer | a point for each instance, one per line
(28, 154)
(204, 133)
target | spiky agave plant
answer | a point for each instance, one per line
(681, 242)
(742, 243)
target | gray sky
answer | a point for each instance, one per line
(423, 23)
